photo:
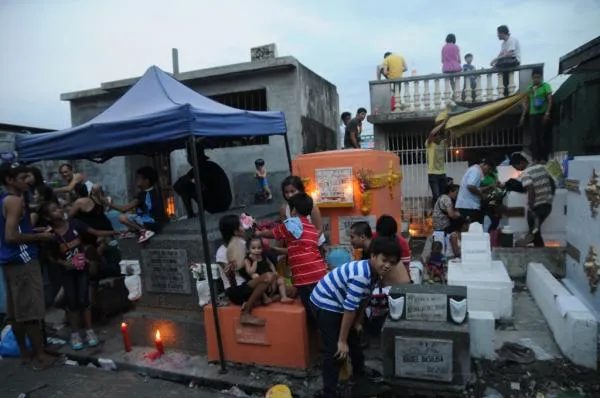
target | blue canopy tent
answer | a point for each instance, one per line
(157, 114)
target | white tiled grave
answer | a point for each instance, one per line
(489, 288)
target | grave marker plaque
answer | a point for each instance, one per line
(424, 359)
(166, 271)
(426, 307)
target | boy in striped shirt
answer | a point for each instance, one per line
(302, 239)
(338, 302)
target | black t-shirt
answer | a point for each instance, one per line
(216, 191)
(157, 208)
(353, 125)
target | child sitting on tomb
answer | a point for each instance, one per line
(230, 258)
(435, 262)
(257, 264)
(150, 215)
(304, 259)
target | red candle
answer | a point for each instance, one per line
(159, 344)
(126, 338)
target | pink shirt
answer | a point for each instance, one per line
(451, 58)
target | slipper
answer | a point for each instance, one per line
(47, 364)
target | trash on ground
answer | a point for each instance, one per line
(235, 391)
(492, 393)
(70, 362)
(107, 364)
(514, 352)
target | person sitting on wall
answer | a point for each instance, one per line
(216, 192)
(150, 215)
(73, 179)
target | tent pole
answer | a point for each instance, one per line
(287, 152)
(205, 249)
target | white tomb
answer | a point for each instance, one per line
(489, 288)
(583, 232)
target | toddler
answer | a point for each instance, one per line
(435, 261)
(261, 176)
(257, 264)
(304, 259)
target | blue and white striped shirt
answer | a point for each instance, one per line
(344, 288)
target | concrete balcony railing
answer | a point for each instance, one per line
(424, 95)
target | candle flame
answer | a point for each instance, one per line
(123, 325)
(158, 335)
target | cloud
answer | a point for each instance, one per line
(48, 49)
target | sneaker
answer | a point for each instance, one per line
(145, 235)
(91, 338)
(76, 343)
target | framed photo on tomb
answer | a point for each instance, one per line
(334, 187)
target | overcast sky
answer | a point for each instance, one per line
(49, 47)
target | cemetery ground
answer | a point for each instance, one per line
(548, 375)
(81, 381)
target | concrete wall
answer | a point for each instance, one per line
(319, 102)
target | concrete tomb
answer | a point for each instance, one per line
(425, 340)
(488, 282)
(169, 301)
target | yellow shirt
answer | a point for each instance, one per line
(395, 66)
(436, 157)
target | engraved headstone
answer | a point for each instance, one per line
(475, 248)
(424, 359)
(428, 345)
(166, 271)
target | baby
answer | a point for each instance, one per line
(256, 264)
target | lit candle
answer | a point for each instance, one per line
(126, 338)
(159, 344)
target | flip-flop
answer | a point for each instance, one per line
(40, 366)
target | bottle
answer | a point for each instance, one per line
(507, 237)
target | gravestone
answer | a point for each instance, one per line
(425, 339)
(169, 300)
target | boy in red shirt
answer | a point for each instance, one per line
(388, 227)
(302, 239)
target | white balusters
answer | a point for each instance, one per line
(407, 101)
(437, 95)
(456, 89)
(511, 83)
(426, 96)
(416, 96)
(397, 98)
(478, 89)
(447, 89)
(501, 85)
(489, 88)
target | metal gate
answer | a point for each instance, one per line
(410, 146)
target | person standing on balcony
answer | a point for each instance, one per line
(353, 130)
(451, 58)
(437, 146)
(509, 56)
(538, 107)
(470, 82)
(470, 193)
(393, 66)
(346, 116)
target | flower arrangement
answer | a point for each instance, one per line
(364, 178)
(197, 270)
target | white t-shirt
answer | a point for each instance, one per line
(342, 134)
(512, 44)
(466, 199)
(221, 258)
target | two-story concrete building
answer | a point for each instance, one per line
(403, 113)
(309, 102)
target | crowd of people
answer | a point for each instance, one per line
(339, 301)
(65, 234)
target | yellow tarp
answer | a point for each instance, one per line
(477, 118)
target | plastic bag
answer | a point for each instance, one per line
(203, 289)
(8, 343)
(133, 283)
